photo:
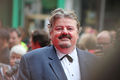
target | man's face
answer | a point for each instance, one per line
(104, 41)
(64, 34)
(14, 39)
(13, 58)
(3, 44)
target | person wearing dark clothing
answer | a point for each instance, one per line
(39, 38)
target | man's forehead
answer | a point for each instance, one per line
(65, 21)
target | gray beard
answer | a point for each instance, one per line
(64, 46)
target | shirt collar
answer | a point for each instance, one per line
(73, 54)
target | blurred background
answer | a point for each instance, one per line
(24, 23)
(32, 14)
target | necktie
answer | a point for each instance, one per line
(68, 57)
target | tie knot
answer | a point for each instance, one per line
(68, 57)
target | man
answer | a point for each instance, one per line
(104, 42)
(110, 66)
(4, 52)
(4, 49)
(62, 60)
(39, 38)
(15, 38)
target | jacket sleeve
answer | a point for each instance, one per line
(23, 70)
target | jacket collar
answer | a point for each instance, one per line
(57, 68)
(55, 64)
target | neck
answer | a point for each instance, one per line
(36, 46)
(66, 50)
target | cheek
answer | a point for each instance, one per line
(12, 62)
(54, 35)
(74, 37)
(54, 38)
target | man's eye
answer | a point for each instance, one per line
(70, 28)
(59, 28)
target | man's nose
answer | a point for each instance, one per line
(65, 31)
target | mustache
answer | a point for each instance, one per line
(65, 36)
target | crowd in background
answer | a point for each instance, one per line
(12, 46)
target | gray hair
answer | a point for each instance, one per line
(60, 13)
(18, 49)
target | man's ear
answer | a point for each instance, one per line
(80, 29)
(49, 28)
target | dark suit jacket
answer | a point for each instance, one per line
(44, 64)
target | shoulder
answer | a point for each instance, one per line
(39, 52)
(85, 53)
(87, 56)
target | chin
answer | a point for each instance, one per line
(65, 46)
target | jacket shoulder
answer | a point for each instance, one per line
(38, 52)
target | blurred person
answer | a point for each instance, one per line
(104, 41)
(88, 42)
(90, 30)
(113, 34)
(109, 69)
(4, 46)
(4, 52)
(15, 55)
(62, 60)
(39, 38)
(3, 69)
(16, 38)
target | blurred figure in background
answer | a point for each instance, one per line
(39, 38)
(15, 39)
(87, 42)
(113, 34)
(15, 55)
(109, 69)
(104, 41)
(4, 46)
(4, 52)
(3, 69)
(90, 30)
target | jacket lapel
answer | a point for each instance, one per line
(82, 64)
(56, 65)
